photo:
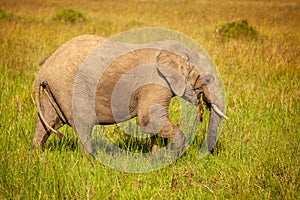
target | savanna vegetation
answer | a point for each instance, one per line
(255, 45)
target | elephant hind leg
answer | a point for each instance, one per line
(41, 135)
(51, 117)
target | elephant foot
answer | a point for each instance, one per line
(178, 145)
(39, 140)
(178, 141)
(212, 147)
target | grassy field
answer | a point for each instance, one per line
(259, 154)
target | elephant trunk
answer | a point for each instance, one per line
(216, 115)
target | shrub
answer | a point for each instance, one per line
(236, 30)
(69, 15)
(5, 15)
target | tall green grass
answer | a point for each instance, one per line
(259, 147)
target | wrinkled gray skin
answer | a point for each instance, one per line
(176, 71)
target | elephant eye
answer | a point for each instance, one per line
(209, 78)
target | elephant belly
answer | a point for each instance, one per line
(108, 113)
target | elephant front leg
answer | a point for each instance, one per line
(154, 120)
(153, 116)
(172, 132)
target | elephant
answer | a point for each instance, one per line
(91, 80)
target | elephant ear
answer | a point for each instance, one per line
(176, 81)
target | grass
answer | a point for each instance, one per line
(259, 148)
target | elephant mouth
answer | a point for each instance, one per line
(201, 102)
(211, 106)
(201, 110)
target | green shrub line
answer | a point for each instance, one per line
(70, 15)
(6, 15)
(237, 29)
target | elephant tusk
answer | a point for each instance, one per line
(218, 111)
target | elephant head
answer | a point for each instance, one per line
(192, 79)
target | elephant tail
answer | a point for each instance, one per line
(41, 86)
